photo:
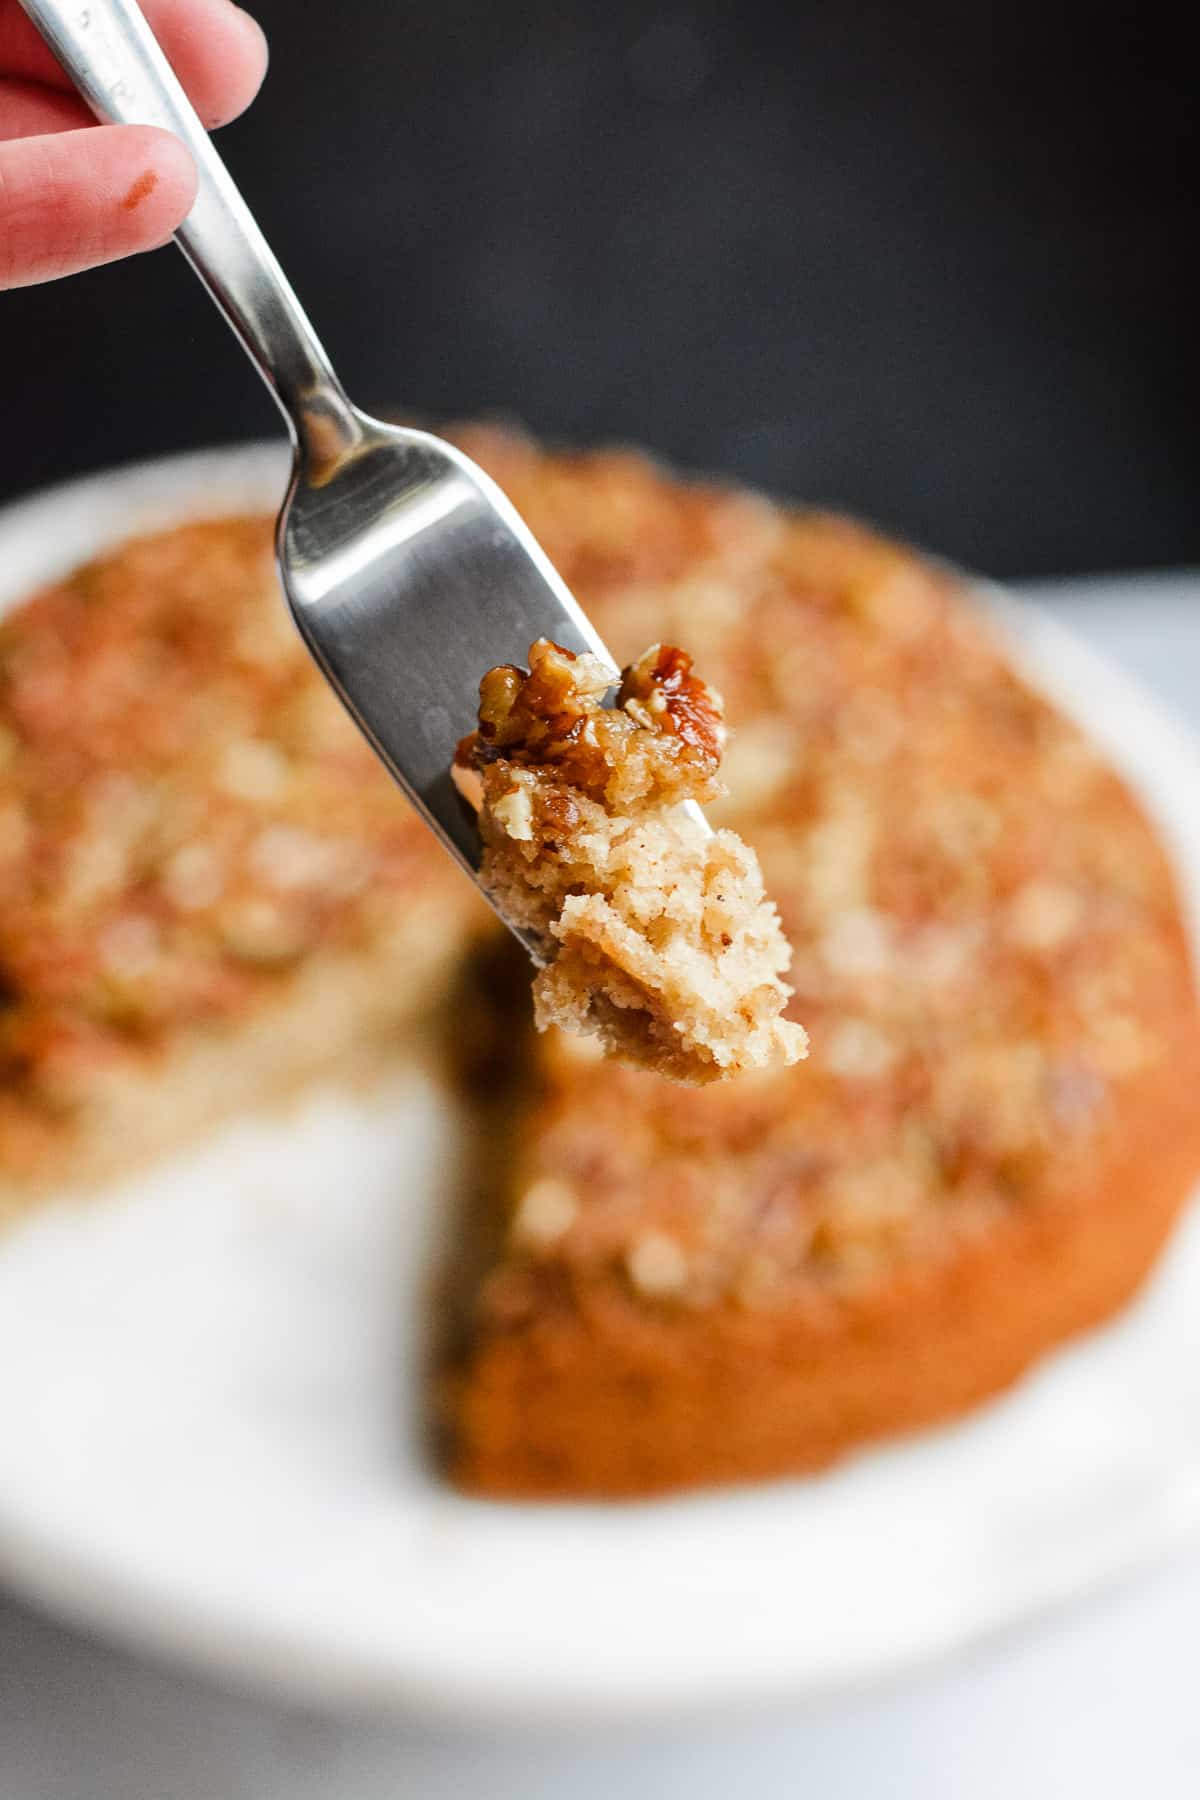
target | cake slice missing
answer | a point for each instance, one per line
(656, 934)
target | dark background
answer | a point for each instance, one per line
(931, 262)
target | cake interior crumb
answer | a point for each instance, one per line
(655, 935)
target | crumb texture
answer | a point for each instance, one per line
(656, 934)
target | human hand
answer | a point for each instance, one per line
(74, 193)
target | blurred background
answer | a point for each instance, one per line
(930, 263)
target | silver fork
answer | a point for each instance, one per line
(406, 569)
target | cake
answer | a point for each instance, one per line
(654, 932)
(208, 892)
(211, 893)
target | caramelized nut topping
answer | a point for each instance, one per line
(661, 742)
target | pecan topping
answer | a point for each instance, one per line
(660, 742)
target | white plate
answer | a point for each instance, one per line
(208, 1387)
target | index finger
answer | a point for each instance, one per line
(218, 52)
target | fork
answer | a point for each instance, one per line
(406, 570)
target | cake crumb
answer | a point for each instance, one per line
(657, 1265)
(655, 934)
(545, 1212)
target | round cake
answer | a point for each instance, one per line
(211, 893)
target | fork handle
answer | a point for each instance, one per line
(115, 61)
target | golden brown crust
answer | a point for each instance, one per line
(600, 1395)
